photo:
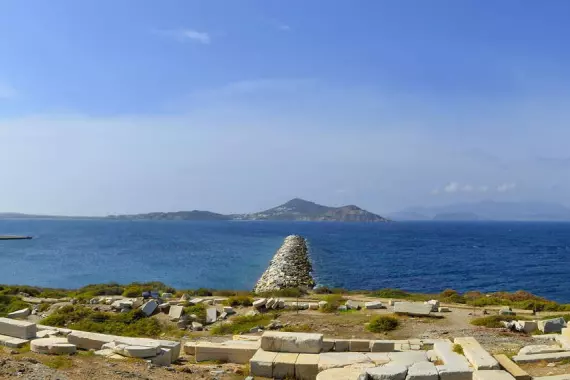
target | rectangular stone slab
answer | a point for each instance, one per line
(359, 345)
(300, 343)
(517, 372)
(284, 365)
(452, 373)
(479, 358)
(411, 308)
(239, 352)
(382, 346)
(328, 345)
(261, 364)
(176, 312)
(554, 357)
(17, 329)
(307, 366)
(341, 359)
(11, 342)
(492, 375)
(341, 345)
(451, 360)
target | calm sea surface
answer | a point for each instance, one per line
(416, 256)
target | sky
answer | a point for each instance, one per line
(132, 106)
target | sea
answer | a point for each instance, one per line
(414, 256)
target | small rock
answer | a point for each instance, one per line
(197, 326)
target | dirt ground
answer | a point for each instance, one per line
(32, 366)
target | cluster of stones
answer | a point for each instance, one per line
(554, 345)
(289, 268)
(59, 341)
(310, 356)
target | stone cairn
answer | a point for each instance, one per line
(289, 268)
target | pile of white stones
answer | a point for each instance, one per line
(289, 268)
(59, 341)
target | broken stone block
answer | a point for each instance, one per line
(175, 312)
(211, 315)
(292, 342)
(23, 313)
(422, 371)
(341, 359)
(479, 358)
(261, 364)
(149, 307)
(196, 326)
(259, 303)
(284, 365)
(307, 366)
(54, 346)
(374, 305)
(551, 325)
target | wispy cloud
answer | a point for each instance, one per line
(7, 92)
(503, 188)
(456, 187)
(257, 86)
(187, 35)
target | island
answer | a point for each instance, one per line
(294, 210)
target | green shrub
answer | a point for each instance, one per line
(400, 294)
(9, 304)
(133, 291)
(458, 349)
(333, 302)
(202, 292)
(199, 310)
(241, 324)
(287, 292)
(239, 301)
(383, 323)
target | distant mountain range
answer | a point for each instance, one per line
(488, 210)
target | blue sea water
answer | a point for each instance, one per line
(415, 256)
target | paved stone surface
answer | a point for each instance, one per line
(378, 358)
(341, 374)
(292, 342)
(341, 359)
(239, 352)
(409, 358)
(539, 349)
(422, 371)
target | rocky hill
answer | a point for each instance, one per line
(294, 210)
(302, 210)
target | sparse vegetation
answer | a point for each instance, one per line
(241, 324)
(287, 292)
(493, 321)
(297, 328)
(9, 304)
(58, 362)
(134, 323)
(458, 349)
(383, 323)
(198, 310)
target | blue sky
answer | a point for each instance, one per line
(236, 106)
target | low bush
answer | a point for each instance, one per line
(199, 310)
(241, 324)
(239, 301)
(493, 321)
(333, 302)
(400, 294)
(383, 323)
